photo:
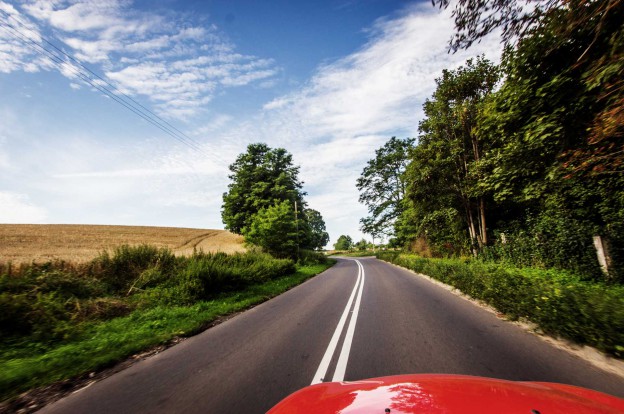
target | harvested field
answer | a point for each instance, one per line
(25, 243)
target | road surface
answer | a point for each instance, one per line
(360, 319)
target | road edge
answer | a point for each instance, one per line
(587, 353)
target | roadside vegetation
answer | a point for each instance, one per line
(522, 162)
(559, 302)
(60, 320)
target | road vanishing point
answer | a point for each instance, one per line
(362, 318)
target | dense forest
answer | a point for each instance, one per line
(521, 162)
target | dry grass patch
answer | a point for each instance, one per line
(25, 243)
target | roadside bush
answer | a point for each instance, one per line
(550, 240)
(558, 302)
(310, 257)
(205, 275)
(42, 300)
(121, 269)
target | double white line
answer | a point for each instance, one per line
(341, 367)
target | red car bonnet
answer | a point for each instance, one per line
(448, 394)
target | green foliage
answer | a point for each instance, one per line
(318, 236)
(261, 201)
(44, 300)
(261, 177)
(120, 270)
(446, 204)
(382, 186)
(274, 229)
(207, 275)
(311, 257)
(537, 162)
(362, 245)
(552, 174)
(344, 243)
(559, 302)
(549, 241)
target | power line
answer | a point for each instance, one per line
(129, 103)
(62, 64)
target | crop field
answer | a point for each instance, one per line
(25, 243)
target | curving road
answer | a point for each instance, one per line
(360, 319)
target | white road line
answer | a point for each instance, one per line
(339, 373)
(319, 376)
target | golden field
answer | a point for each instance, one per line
(25, 243)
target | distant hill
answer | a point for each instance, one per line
(20, 243)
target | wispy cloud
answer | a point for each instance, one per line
(177, 65)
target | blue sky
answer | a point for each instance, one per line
(330, 81)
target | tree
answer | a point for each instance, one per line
(588, 37)
(344, 243)
(476, 19)
(260, 177)
(546, 165)
(445, 169)
(274, 229)
(318, 236)
(362, 245)
(382, 186)
(265, 203)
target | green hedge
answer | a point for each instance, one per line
(559, 303)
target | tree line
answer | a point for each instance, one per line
(522, 161)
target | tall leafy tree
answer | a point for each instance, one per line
(558, 121)
(318, 236)
(446, 165)
(260, 177)
(546, 158)
(588, 37)
(344, 242)
(382, 186)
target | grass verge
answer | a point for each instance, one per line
(560, 303)
(25, 364)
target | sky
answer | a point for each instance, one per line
(129, 112)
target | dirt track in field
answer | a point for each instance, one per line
(25, 243)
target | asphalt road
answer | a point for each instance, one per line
(360, 319)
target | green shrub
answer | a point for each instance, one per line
(208, 274)
(121, 269)
(43, 300)
(310, 257)
(560, 303)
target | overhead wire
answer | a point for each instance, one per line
(110, 91)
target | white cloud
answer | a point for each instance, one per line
(179, 69)
(17, 38)
(17, 208)
(182, 87)
(379, 88)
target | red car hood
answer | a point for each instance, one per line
(448, 394)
